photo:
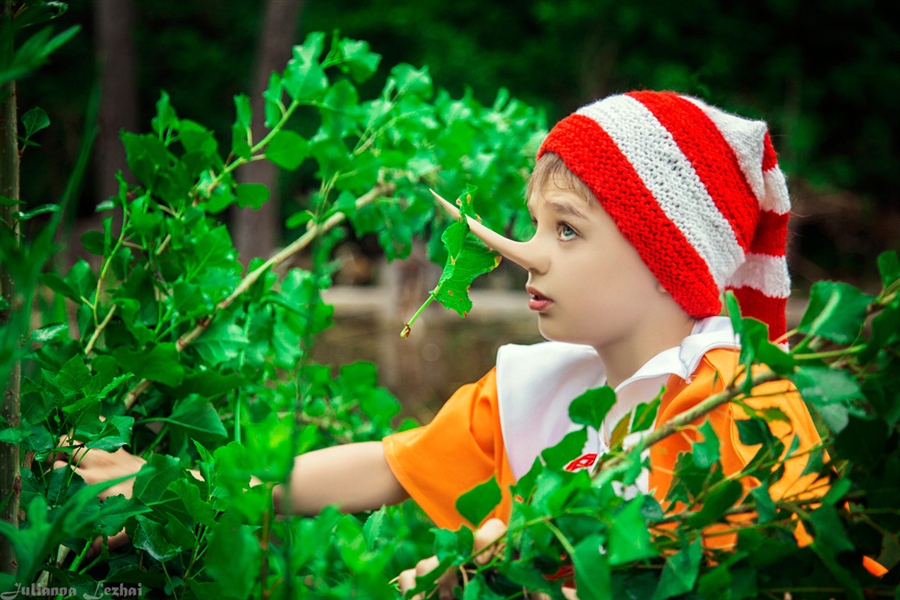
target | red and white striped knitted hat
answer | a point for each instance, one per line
(697, 191)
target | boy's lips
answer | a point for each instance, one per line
(538, 301)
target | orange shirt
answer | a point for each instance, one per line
(463, 446)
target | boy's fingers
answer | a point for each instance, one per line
(407, 580)
(427, 565)
(486, 534)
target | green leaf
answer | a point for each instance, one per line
(453, 547)
(468, 258)
(74, 375)
(837, 491)
(82, 279)
(304, 80)
(240, 146)
(716, 503)
(221, 342)
(165, 115)
(680, 572)
(115, 511)
(476, 504)
(270, 447)
(590, 408)
(478, 589)
(251, 194)
(592, 576)
(232, 559)
(311, 49)
(161, 363)
(198, 418)
(340, 109)
(35, 120)
(287, 149)
(406, 79)
(765, 506)
(151, 536)
(299, 218)
(829, 530)
(645, 415)
(359, 62)
(889, 267)
(568, 448)
(154, 477)
(836, 311)
(706, 453)
(831, 392)
(243, 111)
(629, 538)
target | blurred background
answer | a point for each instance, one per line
(825, 75)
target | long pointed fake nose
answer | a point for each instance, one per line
(523, 254)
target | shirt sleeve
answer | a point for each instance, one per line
(460, 449)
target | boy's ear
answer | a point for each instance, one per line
(660, 287)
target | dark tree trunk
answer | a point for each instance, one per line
(116, 59)
(10, 479)
(256, 231)
(114, 24)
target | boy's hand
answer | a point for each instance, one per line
(95, 466)
(485, 535)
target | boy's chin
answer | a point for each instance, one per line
(554, 335)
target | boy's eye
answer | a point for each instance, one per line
(566, 232)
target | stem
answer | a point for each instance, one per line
(162, 433)
(107, 263)
(99, 330)
(686, 418)
(248, 281)
(830, 353)
(10, 478)
(408, 327)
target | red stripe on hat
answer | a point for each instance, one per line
(770, 158)
(712, 157)
(769, 310)
(589, 152)
(771, 234)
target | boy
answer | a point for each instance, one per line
(647, 205)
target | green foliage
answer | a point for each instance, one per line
(196, 363)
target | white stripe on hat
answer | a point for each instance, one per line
(746, 139)
(671, 179)
(776, 198)
(768, 274)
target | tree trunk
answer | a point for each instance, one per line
(114, 26)
(10, 479)
(114, 47)
(256, 231)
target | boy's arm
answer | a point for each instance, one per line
(356, 477)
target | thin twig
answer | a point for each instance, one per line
(99, 330)
(676, 423)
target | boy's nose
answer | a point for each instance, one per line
(525, 254)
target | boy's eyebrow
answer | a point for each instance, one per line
(560, 208)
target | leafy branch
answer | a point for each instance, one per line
(247, 282)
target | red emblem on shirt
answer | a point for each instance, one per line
(582, 462)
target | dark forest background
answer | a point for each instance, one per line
(825, 75)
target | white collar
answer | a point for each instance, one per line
(536, 384)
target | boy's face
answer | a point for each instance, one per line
(588, 284)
